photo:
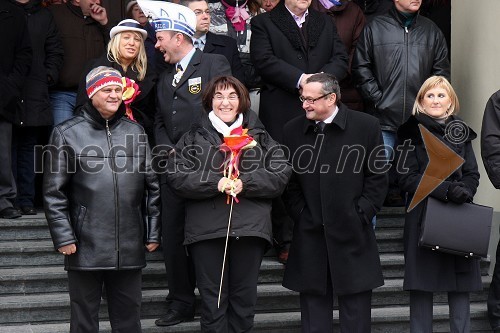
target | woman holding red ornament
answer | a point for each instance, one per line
(127, 54)
(229, 169)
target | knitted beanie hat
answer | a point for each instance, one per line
(101, 77)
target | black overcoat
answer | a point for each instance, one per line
(336, 188)
(280, 56)
(15, 59)
(34, 107)
(425, 269)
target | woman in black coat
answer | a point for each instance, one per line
(200, 174)
(428, 271)
(33, 108)
(127, 54)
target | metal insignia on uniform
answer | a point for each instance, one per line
(194, 85)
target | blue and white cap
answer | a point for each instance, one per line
(168, 16)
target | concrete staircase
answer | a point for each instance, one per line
(34, 298)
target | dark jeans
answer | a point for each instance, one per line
(24, 140)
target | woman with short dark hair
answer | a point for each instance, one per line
(228, 169)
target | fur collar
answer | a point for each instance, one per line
(281, 17)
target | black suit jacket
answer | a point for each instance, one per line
(226, 46)
(178, 107)
(281, 56)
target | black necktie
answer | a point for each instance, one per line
(321, 126)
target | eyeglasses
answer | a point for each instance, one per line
(231, 97)
(312, 100)
(200, 12)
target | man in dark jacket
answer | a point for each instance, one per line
(336, 189)
(416, 49)
(15, 62)
(209, 42)
(179, 92)
(490, 152)
(84, 29)
(311, 45)
(102, 201)
(35, 112)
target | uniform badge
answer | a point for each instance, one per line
(194, 85)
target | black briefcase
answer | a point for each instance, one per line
(462, 230)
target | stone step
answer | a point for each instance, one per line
(27, 269)
(52, 277)
(49, 279)
(32, 227)
(389, 240)
(384, 320)
(39, 308)
(33, 252)
(18, 253)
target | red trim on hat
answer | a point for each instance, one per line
(101, 83)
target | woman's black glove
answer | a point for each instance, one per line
(458, 193)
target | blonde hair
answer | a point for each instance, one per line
(139, 64)
(436, 82)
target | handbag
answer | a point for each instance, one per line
(460, 229)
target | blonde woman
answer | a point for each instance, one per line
(428, 271)
(126, 53)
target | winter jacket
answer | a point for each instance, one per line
(425, 269)
(490, 139)
(34, 107)
(195, 171)
(15, 59)
(101, 193)
(83, 39)
(391, 62)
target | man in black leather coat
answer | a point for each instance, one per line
(102, 203)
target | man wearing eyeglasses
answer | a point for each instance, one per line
(338, 184)
(209, 42)
(287, 45)
(179, 104)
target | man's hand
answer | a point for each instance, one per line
(303, 79)
(67, 249)
(152, 246)
(98, 13)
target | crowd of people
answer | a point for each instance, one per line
(218, 129)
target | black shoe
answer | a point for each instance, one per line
(10, 213)
(173, 317)
(28, 210)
